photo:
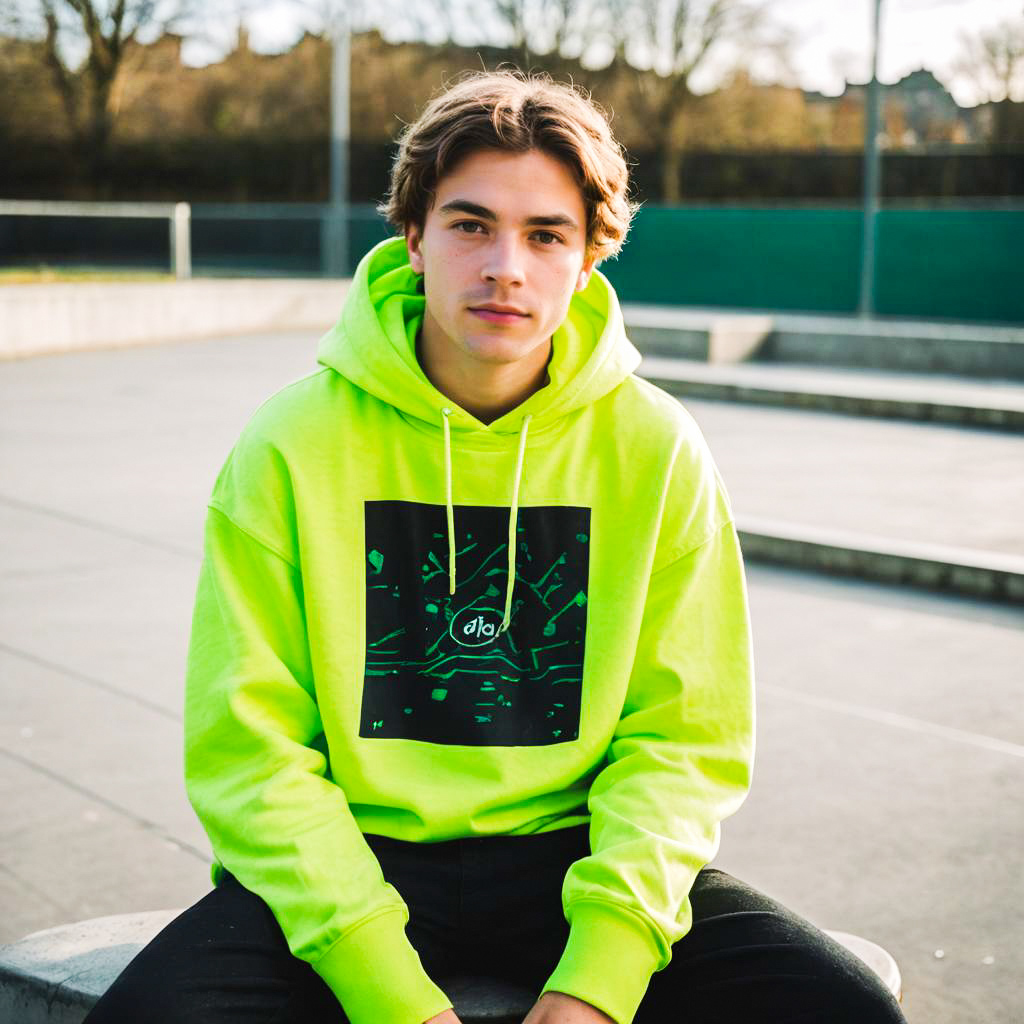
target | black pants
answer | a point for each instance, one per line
(492, 906)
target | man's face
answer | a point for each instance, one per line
(501, 251)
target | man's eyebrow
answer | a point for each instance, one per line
(465, 206)
(555, 220)
(476, 210)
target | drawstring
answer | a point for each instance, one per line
(448, 499)
(513, 514)
(513, 518)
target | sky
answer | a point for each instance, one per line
(833, 40)
(914, 34)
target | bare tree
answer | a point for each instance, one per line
(319, 17)
(844, 64)
(993, 59)
(104, 31)
(550, 35)
(514, 16)
(675, 38)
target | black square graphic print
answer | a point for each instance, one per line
(438, 668)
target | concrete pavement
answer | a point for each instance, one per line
(905, 481)
(891, 730)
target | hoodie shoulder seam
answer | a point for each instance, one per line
(291, 384)
(677, 414)
(270, 548)
(649, 386)
(713, 535)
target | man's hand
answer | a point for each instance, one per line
(559, 1008)
(444, 1017)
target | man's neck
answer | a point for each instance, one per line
(486, 390)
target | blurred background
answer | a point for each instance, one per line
(827, 270)
(742, 120)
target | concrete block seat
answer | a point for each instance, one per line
(55, 976)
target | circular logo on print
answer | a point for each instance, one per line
(475, 627)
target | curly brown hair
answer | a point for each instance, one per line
(515, 112)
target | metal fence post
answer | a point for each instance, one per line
(181, 241)
(872, 176)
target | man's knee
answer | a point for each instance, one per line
(850, 991)
(748, 957)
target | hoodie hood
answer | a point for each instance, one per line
(373, 345)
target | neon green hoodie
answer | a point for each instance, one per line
(362, 659)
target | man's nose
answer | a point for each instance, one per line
(504, 262)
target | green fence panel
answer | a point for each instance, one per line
(366, 228)
(954, 263)
(744, 258)
(957, 264)
(962, 264)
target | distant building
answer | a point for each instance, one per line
(1000, 122)
(929, 111)
(917, 109)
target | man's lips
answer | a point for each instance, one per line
(499, 314)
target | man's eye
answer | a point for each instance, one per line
(468, 226)
(546, 237)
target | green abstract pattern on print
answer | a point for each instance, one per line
(437, 668)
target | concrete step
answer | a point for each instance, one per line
(966, 571)
(970, 350)
(994, 404)
(932, 506)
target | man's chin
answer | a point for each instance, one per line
(499, 351)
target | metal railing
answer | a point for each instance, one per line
(178, 216)
(342, 229)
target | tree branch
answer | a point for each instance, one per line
(61, 75)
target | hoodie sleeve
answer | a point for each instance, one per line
(679, 762)
(258, 779)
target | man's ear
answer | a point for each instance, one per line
(584, 277)
(413, 242)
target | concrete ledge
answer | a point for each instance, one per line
(735, 339)
(716, 338)
(56, 976)
(967, 403)
(970, 354)
(992, 576)
(38, 319)
(973, 350)
(689, 343)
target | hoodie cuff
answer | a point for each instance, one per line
(377, 975)
(608, 960)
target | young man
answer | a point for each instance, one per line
(469, 688)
